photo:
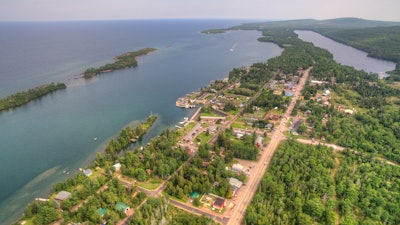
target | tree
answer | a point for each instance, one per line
(46, 214)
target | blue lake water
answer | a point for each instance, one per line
(42, 139)
(348, 55)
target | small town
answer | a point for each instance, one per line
(272, 138)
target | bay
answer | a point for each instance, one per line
(44, 138)
(348, 55)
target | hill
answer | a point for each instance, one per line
(311, 24)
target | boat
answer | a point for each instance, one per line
(95, 139)
(233, 47)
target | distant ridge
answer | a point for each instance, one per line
(342, 23)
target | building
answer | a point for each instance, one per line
(212, 119)
(62, 195)
(87, 172)
(259, 141)
(235, 184)
(237, 168)
(117, 166)
(296, 126)
(102, 211)
(120, 206)
(219, 203)
(194, 195)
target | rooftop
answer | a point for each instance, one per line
(62, 195)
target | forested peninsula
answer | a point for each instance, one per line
(21, 98)
(123, 61)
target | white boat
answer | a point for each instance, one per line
(95, 139)
(233, 48)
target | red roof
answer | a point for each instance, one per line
(219, 203)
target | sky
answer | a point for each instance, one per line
(54, 10)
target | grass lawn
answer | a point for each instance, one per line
(204, 138)
(151, 184)
(184, 200)
(30, 221)
(209, 114)
(239, 125)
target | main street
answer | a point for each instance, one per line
(265, 158)
(246, 192)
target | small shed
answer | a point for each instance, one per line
(62, 195)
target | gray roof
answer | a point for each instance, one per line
(62, 195)
(235, 182)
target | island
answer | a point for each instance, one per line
(22, 98)
(123, 61)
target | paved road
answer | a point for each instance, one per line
(254, 180)
(247, 192)
(336, 148)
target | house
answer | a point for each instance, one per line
(237, 168)
(194, 195)
(219, 203)
(326, 93)
(259, 141)
(296, 127)
(102, 211)
(235, 183)
(87, 172)
(117, 166)
(62, 195)
(269, 126)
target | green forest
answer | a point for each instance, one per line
(122, 61)
(22, 98)
(311, 185)
(158, 211)
(338, 189)
(298, 187)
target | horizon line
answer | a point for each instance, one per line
(184, 18)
